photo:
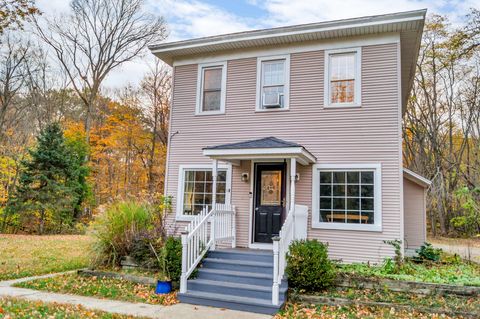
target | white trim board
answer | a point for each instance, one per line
(387, 38)
(377, 168)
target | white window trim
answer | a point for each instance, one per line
(286, 94)
(358, 78)
(316, 223)
(223, 95)
(179, 216)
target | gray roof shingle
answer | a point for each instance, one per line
(267, 142)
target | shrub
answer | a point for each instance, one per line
(428, 252)
(118, 228)
(172, 254)
(308, 266)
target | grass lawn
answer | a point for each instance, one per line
(457, 273)
(101, 288)
(21, 309)
(25, 255)
(351, 312)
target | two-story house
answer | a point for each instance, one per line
(290, 133)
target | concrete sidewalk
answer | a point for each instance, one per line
(180, 311)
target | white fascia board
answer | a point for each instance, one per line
(416, 178)
(286, 31)
(250, 153)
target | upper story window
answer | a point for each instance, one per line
(273, 74)
(342, 77)
(211, 88)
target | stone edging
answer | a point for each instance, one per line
(332, 301)
(406, 286)
(107, 274)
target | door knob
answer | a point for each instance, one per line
(256, 209)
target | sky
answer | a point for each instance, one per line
(188, 19)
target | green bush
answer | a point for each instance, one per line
(428, 252)
(308, 266)
(117, 229)
(173, 258)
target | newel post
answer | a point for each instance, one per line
(275, 287)
(183, 277)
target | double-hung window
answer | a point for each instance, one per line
(342, 77)
(195, 189)
(211, 88)
(347, 196)
(273, 82)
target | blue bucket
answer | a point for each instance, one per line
(163, 287)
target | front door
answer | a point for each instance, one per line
(269, 201)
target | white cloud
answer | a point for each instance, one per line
(192, 19)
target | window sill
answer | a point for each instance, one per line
(210, 113)
(353, 227)
(284, 109)
(342, 106)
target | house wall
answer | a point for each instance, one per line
(414, 207)
(370, 134)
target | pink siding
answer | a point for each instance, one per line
(369, 134)
(414, 207)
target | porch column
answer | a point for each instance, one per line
(214, 202)
(293, 173)
(214, 181)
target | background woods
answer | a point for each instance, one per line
(442, 124)
(52, 72)
(68, 145)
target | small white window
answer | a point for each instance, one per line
(273, 82)
(347, 197)
(342, 77)
(211, 88)
(195, 189)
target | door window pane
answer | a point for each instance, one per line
(271, 188)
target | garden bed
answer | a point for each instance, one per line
(136, 277)
(452, 271)
(101, 287)
(451, 305)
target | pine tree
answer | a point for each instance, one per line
(52, 185)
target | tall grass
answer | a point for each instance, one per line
(116, 229)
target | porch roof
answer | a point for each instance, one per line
(264, 148)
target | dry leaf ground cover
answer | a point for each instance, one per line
(22, 309)
(26, 255)
(293, 311)
(101, 288)
(470, 304)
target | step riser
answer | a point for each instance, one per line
(229, 305)
(244, 257)
(239, 279)
(237, 267)
(231, 291)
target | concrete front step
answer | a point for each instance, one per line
(236, 276)
(229, 302)
(238, 265)
(236, 289)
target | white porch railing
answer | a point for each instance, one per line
(294, 227)
(204, 231)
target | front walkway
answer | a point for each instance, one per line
(180, 311)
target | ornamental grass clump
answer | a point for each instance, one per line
(117, 229)
(308, 266)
